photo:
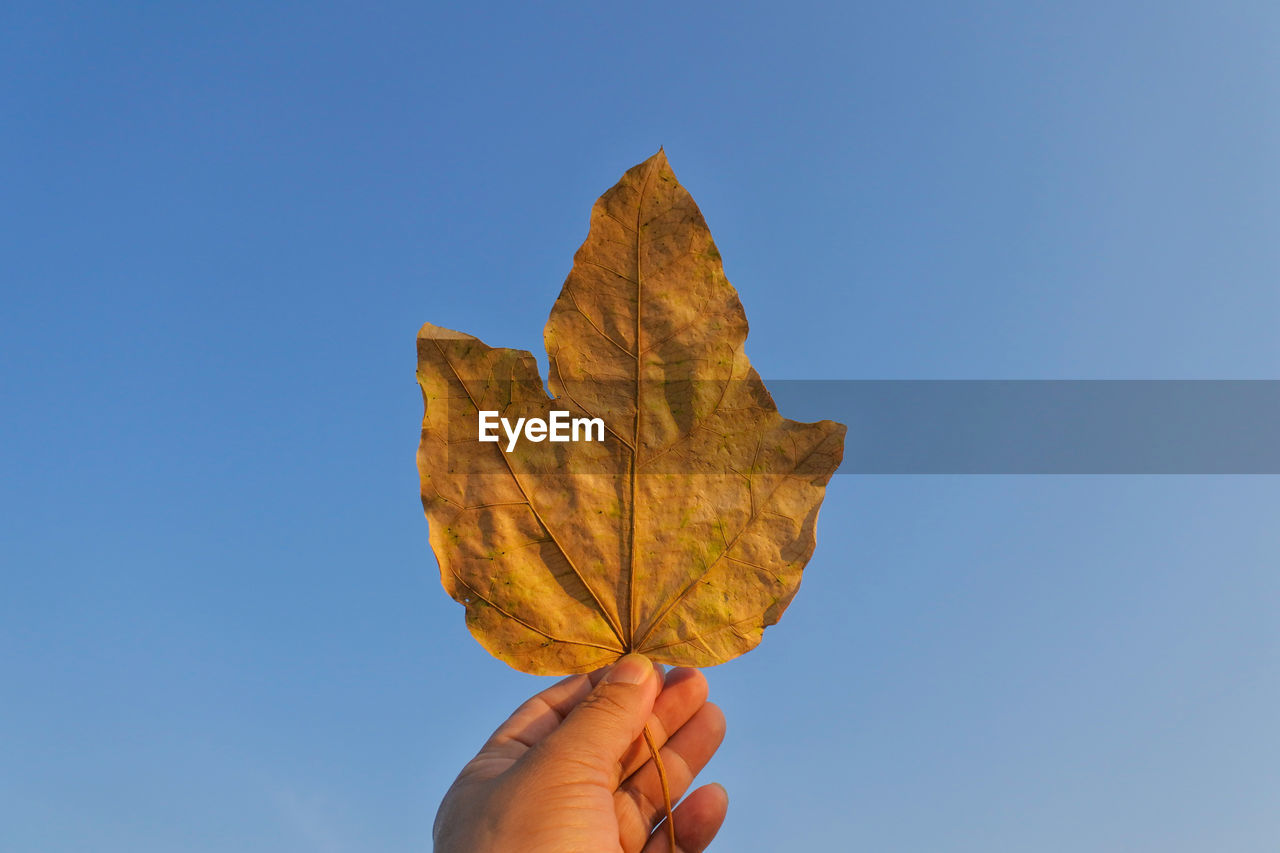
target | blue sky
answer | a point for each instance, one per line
(221, 226)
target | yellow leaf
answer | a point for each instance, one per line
(682, 533)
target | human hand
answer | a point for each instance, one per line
(570, 772)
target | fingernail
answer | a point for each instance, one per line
(630, 669)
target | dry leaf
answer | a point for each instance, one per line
(683, 533)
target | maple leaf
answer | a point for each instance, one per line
(680, 534)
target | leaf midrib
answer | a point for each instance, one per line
(632, 555)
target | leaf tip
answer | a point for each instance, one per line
(430, 331)
(659, 158)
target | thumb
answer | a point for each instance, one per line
(601, 728)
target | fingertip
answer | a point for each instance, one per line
(690, 684)
(680, 674)
(631, 668)
(716, 713)
(700, 817)
(724, 793)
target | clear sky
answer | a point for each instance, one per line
(221, 225)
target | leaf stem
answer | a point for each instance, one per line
(666, 787)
